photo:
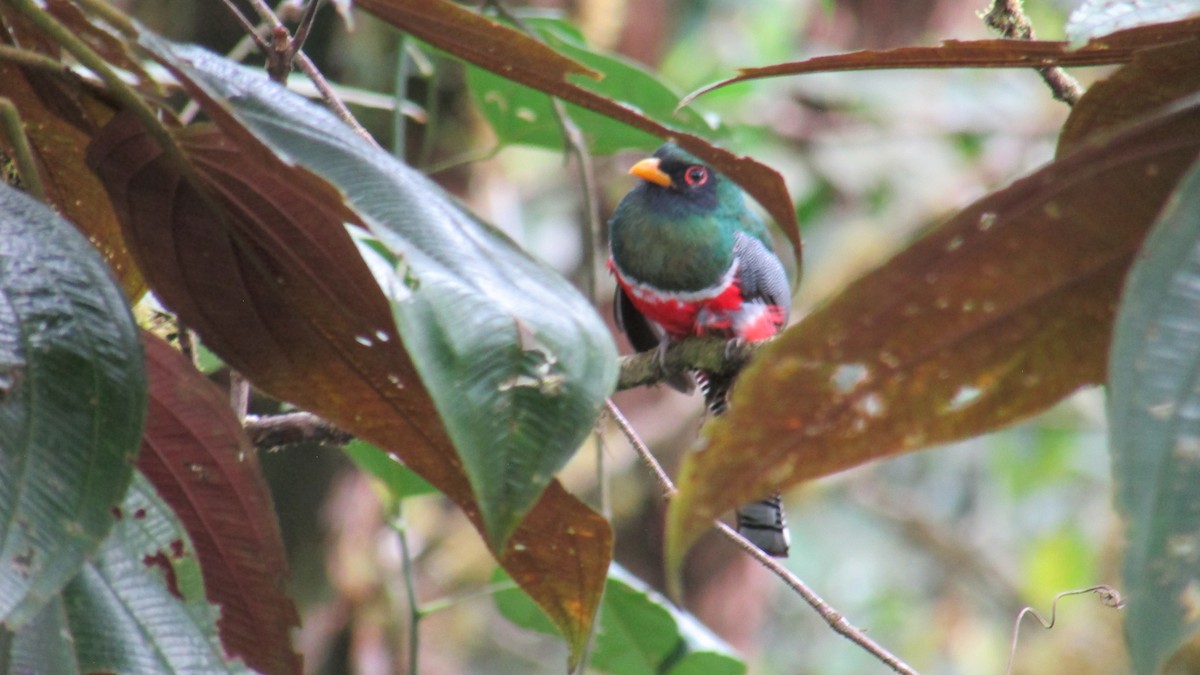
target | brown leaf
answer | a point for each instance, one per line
(276, 287)
(1153, 79)
(993, 316)
(1116, 48)
(59, 119)
(520, 58)
(202, 465)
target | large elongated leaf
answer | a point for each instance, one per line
(520, 58)
(137, 607)
(996, 314)
(517, 362)
(72, 401)
(276, 287)
(200, 463)
(1154, 411)
(1116, 48)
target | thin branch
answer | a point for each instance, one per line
(643, 452)
(14, 128)
(1108, 595)
(1007, 18)
(300, 427)
(587, 177)
(415, 614)
(41, 62)
(834, 618)
(307, 67)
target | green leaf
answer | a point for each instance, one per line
(1155, 432)
(399, 480)
(137, 607)
(72, 402)
(519, 114)
(1096, 18)
(517, 362)
(640, 633)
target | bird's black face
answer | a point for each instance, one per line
(676, 178)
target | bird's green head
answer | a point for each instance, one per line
(676, 227)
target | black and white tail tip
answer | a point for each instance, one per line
(763, 524)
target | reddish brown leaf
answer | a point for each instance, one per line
(1154, 78)
(278, 289)
(199, 461)
(59, 119)
(1116, 48)
(993, 316)
(520, 58)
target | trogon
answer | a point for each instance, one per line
(690, 258)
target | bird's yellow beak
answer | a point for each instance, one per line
(648, 170)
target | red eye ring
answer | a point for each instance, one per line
(695, 175)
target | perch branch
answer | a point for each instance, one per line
(1007, 18)
(714, 355)
(836, 620)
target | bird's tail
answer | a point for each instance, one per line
(761, 522)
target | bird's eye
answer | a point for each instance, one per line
(695, 176)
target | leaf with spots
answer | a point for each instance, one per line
(1155, 432)
(136, 607)
(198, 459)
(993, 316)
(72, 401)
(262, 264)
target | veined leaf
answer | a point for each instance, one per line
(993, 316)
(1155, 433)
(197, 458)
(137, 607)
(72, 402)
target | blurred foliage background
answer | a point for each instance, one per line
(933, 553)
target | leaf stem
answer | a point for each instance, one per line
(1007, 18)
(14, 128)
(836, 620)
(123, 92)
(415, 613)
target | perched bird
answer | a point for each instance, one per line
(690, 258)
